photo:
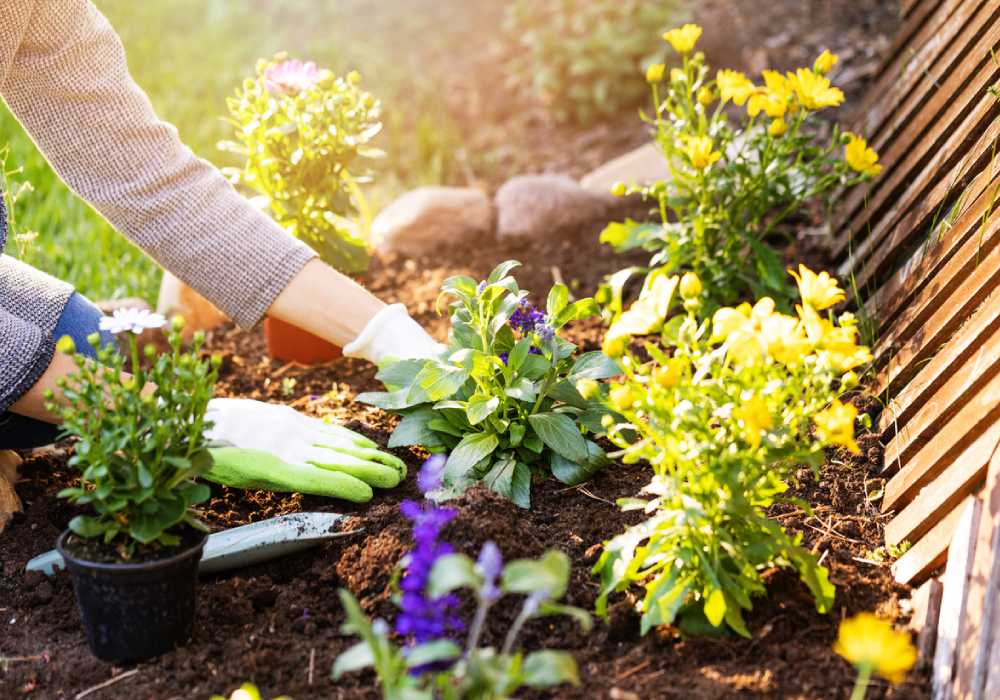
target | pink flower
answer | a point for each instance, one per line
(290, 77)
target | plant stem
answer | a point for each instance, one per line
(861, 684)
(476, 631)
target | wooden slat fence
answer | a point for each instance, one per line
(920, 243)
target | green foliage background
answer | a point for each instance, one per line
(189, 55)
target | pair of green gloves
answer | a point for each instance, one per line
(258, 445)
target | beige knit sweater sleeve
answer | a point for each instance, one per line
(68, 83)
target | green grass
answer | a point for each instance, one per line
(189, 55)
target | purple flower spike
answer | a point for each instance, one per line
(431, 473)
(490, 564)
(421, 617)
(545, 332)
(526, 317)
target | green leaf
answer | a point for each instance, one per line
(522, 390)
(451, 572)
(515, 434)
(432, 652)
(481, 407)
(665, 595)
(460, 286)
(581, 616)
(468, 453)
(86, 526)
(501, 270)
(557, 301)
(629, 234)
(584, 308)
(594, 365)
(573, 473)
(535, 367)
(436, 382)
(356, 658)
(715, 607)
(512, 480)
(546, 668)
(549, 573)
(390, 400)
(413, 429)
(559, 432)
(518, 354)
(400, 373)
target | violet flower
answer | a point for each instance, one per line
(421, 617)
(526, 317)
(490, 564)
(290, 77)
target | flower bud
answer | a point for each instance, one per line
(177, 323)
(777, 128)
(849, 380)
(66, 346)
(654, 73)
(705, 96)
(607, 421)
(619, 189)
(623, 397)
(149, 350)
(690, 286)
(588, 388)
(677, 75)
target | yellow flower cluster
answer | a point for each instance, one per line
(781, 94)
(872, 645)
(757, 333)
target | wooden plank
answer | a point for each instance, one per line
(989, 643)
(932, 322)
(964, 475)
(926, 602)
(915, 31)
(929, 553)
(935, 259)
(936, 145)
(963, 380)
(900, 408)
(965, 427)
(932, 53)
(980, 609)
(956, 585)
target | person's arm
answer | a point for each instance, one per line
(26, 352)
(68, 84)
(32, 402)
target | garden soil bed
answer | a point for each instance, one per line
(278, 624)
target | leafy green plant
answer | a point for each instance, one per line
(140, 436)
(725, 410)
(733, 188)
(502, 399)
(583, 58)
(444, 670)
(305, 135)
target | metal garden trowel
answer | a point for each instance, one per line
(244, 545)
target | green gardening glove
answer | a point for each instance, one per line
(267, 446)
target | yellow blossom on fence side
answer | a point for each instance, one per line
(654, 73)
(871, 644)
(835, 425)
(860, 156)
(819, 291)
(813, 90)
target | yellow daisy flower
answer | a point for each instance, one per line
(818, 291)
(871, 644)
(734, 86)
(860, 156)
(698, 150)
(683, 38)
(756, 417)
(813, 90)
(835, 425)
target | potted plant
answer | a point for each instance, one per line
(134, 558)
(304, 135)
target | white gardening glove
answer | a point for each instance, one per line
(393, 334)
(261, 445)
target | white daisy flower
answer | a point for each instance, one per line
(132, 320)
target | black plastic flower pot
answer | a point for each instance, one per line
(135, 611)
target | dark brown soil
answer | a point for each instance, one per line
(267, 622)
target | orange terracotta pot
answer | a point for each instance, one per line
(292, 344)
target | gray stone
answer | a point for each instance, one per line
(427, 217)
(642, 166)
(541, 205)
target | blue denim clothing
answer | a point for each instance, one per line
(79, 319)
